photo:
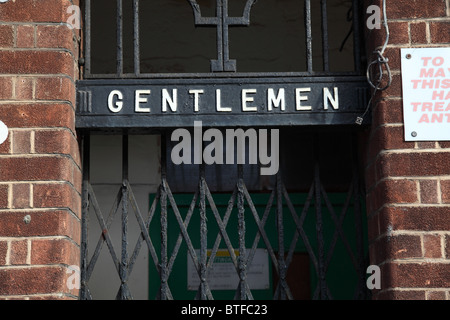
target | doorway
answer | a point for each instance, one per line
(306, 223)
(304, 227)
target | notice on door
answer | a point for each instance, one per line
(223, 275)
(426, 93)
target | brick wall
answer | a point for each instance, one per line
(408, 183)
(40, 175)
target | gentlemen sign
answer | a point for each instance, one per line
(220, 102)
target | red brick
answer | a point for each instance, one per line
(28, 115)
(43, 223)
(57, 142)
(21, 196)
(428, 191)
(33, 280)
(392, 191)
(35, 11)
(6, 36)
(6, 88)
(394, 56)
(56, 195)
(36, 168)
(19, 252)
(55, 251)
(387, 138)
(374, 38)
(395, 88)
(4, 196)
(388, 112)
(447, 246)
(415, 275)
(21, 142)
(414, 218)
(25, 36)
(5, 147)
(395, 247)
(56, 36)
(445, 191)
(56, 88)
(413, 164)
(77, 179)
(411, 9)
(426, 144)
(3, 252)
(51, 297)
(401, 295)
(436, 295)
(418, 32)
(432, 246)
(24, 88)
(440, 31)
(36, 62)
(444, 144)
(398, 32)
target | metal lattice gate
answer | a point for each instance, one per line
(280, 249)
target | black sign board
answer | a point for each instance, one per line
(220, 102)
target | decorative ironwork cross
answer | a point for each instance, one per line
(222, 21)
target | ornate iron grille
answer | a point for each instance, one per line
(130, 38)
(125, 207)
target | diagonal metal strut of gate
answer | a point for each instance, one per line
(125, 201)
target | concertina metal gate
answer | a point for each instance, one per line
(125, 206)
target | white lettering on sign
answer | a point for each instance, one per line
(246, 98)
(219, 103)
(116, 96)
(328, 97)
(168, 100)
(426, 93)
(196, 94)
(299, 98)
(278, 101)
(139, 99)
(271, 99)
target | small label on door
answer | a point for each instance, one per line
(223, 274)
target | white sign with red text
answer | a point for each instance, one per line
(426, 93)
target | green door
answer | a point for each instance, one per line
(339, 257)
